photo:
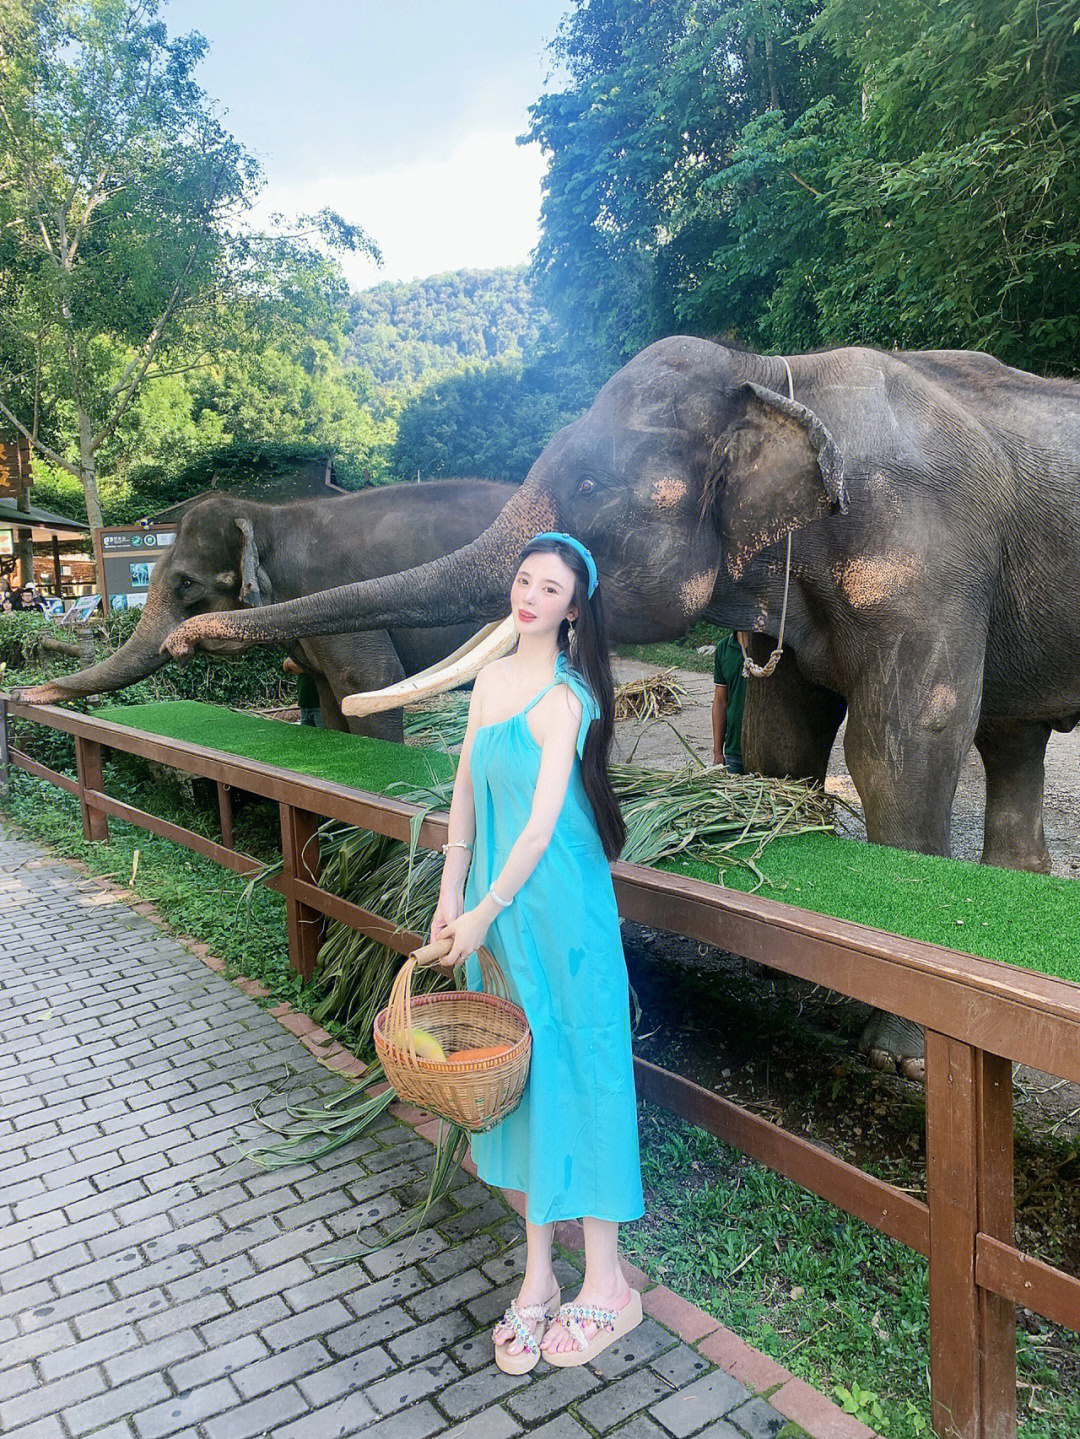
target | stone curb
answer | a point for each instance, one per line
(797, 1400)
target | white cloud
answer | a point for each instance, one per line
(476, 208)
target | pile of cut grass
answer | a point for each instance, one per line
(647, 698)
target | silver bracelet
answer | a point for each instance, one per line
(499, 899)
(460, 843)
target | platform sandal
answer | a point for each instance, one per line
(515, 1316)
(611, 1324)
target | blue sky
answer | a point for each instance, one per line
(400, 114)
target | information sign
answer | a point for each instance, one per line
(126, 558)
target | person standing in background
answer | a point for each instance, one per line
(729, 698)
(29, 599)
(307, 694)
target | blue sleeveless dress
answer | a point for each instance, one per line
(571, 1145)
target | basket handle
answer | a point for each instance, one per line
(399, 1016)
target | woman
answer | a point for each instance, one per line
(534, 811)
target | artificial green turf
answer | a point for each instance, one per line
(371, 764)
(1025, 919)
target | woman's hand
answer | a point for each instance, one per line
(448, 909)
(468, 932)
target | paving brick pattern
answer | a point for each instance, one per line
(155, 1284)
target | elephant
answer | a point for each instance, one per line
(931, 500)
(230, 551)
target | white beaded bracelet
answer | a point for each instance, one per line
(498, 898)
(460, 843)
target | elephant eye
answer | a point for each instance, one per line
(586, 487)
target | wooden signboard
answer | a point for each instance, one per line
(15, 473)
(126, 556)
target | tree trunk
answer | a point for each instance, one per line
(88, 476)
(774, 95)
(24, 541)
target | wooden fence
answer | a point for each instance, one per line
(980, 1017)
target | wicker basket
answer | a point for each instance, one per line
(476, 1094)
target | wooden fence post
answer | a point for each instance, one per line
(300, 853)
(95, 824)
(225, 814)
(5, 774)
(969, 1178)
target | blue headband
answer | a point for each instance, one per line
(590, 563)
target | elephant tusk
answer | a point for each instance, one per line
(462, 650)
(490, 643)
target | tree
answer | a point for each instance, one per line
(402, 332)
(959, 190)
(278, 374)
(798, 173)
(656, 111)
(491, 420)
(121, 203)
(120, 181)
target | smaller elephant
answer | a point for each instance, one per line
(231, 553)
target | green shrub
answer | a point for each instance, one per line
(20, 641)
(253, 681)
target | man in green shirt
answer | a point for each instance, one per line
(729, 697)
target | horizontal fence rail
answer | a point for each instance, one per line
(980, 1017)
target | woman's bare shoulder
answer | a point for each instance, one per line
(488, 679)
(561, 704)
(491, 673)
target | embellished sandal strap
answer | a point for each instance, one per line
(573, 1316)
(515, 1317)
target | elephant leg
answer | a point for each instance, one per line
(308, 654)
(905, 744)
(1013, 754)
(329, 708)
(895, 1045)
(361, 662)
(910, 726)
(789, 723)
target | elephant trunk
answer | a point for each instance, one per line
(136, 658)
(472, 583)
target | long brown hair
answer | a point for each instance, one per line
(592, 661)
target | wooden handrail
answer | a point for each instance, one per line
(1025, 1016)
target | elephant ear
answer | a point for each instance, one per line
(255, 587)
(776, 469)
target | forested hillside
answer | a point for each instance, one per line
(405, 332)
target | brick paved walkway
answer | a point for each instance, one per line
(154, 1285)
